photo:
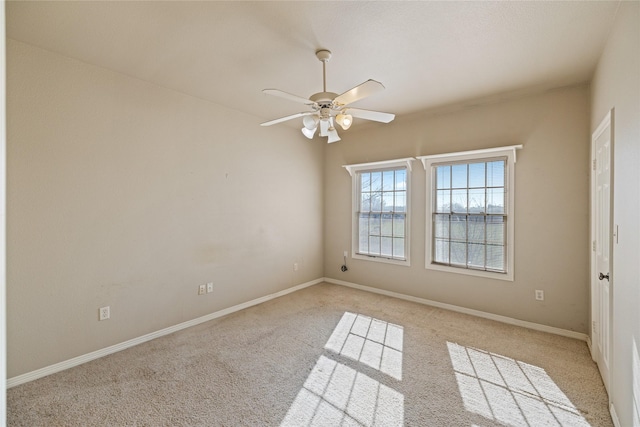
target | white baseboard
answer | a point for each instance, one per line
(590, 345)
(614, 416)
(477, 313)
(61, 366)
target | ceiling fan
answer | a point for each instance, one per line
(328, 105)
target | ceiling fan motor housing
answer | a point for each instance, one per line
(323, 99)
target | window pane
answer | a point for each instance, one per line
(495, 229)
(441, 252)
(443, 201)
(374, 245)
(387, 180)
(365, 203)
(398, 248)
(476, 229)
(401, 201)
(398, 225)
(458, 227)
(458, 253)
(476, 255)
(459, 200)
(401, 180)
(476, 174)
(495, 200)
(386, 246)
(365, 181)
(374, 224)
(441, 226)
(459, 176)
(443, 177)
(476, 200)
(376, 181)
(495, 173)
(376, 202)
(495, 257)
(363, 237)
(387, 225)
(387, 201)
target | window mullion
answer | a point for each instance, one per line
(485, 216)
(450, 213)
(484, 240)
(393, 196)
(370, 223)
(467, 245)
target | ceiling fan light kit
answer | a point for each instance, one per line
(344, 120)
(310, 122)
(309, 132)
(328, 105)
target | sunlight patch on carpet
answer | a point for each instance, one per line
(510, 392)
(372, 342)
(337, 395)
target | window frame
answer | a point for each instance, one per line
(429, 163)
(355, 170)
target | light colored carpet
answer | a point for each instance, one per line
(329, 355)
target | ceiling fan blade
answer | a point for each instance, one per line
(361, 91)
(284, 119)
(370, 115)
(289, 96)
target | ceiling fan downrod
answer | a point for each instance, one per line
(324, 56)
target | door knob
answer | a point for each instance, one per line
(603, 276)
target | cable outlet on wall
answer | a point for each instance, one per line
(209, 287)
(202, 289)
(539, 295)
(104, 313)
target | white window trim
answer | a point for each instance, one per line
(355, 168)
(427, 161)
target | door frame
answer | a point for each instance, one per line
(607, 121)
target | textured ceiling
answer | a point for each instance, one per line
(427, 54)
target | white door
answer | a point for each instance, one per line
(601, 280)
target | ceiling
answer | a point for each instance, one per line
(427, 54)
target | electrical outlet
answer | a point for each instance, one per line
(104, 313)
(295, 266)
(346, 253)
(202, 289)
(209, 287)
(539, 295)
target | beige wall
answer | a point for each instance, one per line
(551, 204)
(616, 85)
(126, 194)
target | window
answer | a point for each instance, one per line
(470, 212)
(381, 211)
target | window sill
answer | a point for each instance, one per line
(404, 263)
(469, 272)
